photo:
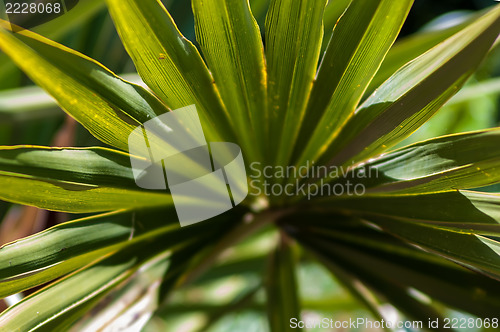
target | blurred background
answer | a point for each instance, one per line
(29, 116)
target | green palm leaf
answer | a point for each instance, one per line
(447, 163)
(76, 180)
(109, 107)
(230, 40)
(294, 31)
(413, 94)
(360, 41)
(168, 63)
(415, 243)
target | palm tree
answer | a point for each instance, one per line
(416, 241)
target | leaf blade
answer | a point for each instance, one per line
(412, 95)
(294, 31)
(231, 43)
(168, 63)
(72, 180)
(360, 41)
(63, 248)
(447, 163)
(109, 107)
(411, 47)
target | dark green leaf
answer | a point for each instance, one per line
(169, 63)
(294, 31)
(231, 43)
(412, 95)
(72, 180)
(109, 107)
(359, 43)
(462, 161)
